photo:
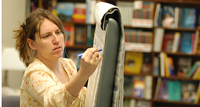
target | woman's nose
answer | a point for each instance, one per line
(55, 39)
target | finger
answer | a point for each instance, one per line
(96, 57)
(89, 52)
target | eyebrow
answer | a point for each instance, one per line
(49, 32)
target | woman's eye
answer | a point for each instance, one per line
(58, 32)
(45, 36)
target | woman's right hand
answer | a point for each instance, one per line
(89, 61)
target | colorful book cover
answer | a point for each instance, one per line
(79, 14)
(168, 16)
(184, 66)
(189, 91)
(198, 95)
(133, 62)
(69, 30)
(193, 69)
(147, 64)
(197, 74)
(168, 42)
(171, 67)
(187, 18)
(156, 67)
(174, 90)
(167, 67)
(186, 43)
(80, 35)
(65, 10)
(128, 86)
(163, 95)
(138, 87)
(176, 41)
(157, 89)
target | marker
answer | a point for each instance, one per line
(81, 54)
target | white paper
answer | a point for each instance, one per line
(101, 9)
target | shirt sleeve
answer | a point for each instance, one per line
(43, 87)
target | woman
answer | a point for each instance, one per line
(50, 80)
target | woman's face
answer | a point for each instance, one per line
(49, 42)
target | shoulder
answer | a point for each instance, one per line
(36, 65)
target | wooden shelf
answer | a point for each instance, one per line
(177, 78)
(179, 29)
(83, 1)
(179, 1)
(77, 47)
(126, 97)
(154, 103)
(178, 103)
(130, 74)
(179, 54)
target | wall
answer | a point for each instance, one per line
(13, 13)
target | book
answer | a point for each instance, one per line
(166, 66)
(80, 35)
(171, 66)
(186, 43)
(162, 64)
(197, 74)
(156, 67)
(65, 10)
(142, 103)
(69, 30)
(126, 9)
(187, 18)
(198, 46)
(189, 91)
(176, 41)
(142, 14)
(157, 15)
(138, 87)
(195, 42)
(167, 43)
(132, 102)
(157, 89)
(90, 35)
(196, 101)
(147, 64)
(148, 87)
(138, 47)
(193, 69)
(174, 90)
(158, 37)
(163, 94)
(90, 5)
(79, 14)
(128, 86)
(184, 65)
(168, 16)
(126, 103)
(133, 62)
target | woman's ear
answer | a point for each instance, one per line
(31, 44)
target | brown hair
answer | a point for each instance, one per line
(28, 29)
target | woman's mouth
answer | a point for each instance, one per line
(57, 48)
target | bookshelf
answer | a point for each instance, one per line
(152, 53)
(175, 55)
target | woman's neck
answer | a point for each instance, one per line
(53, 64)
